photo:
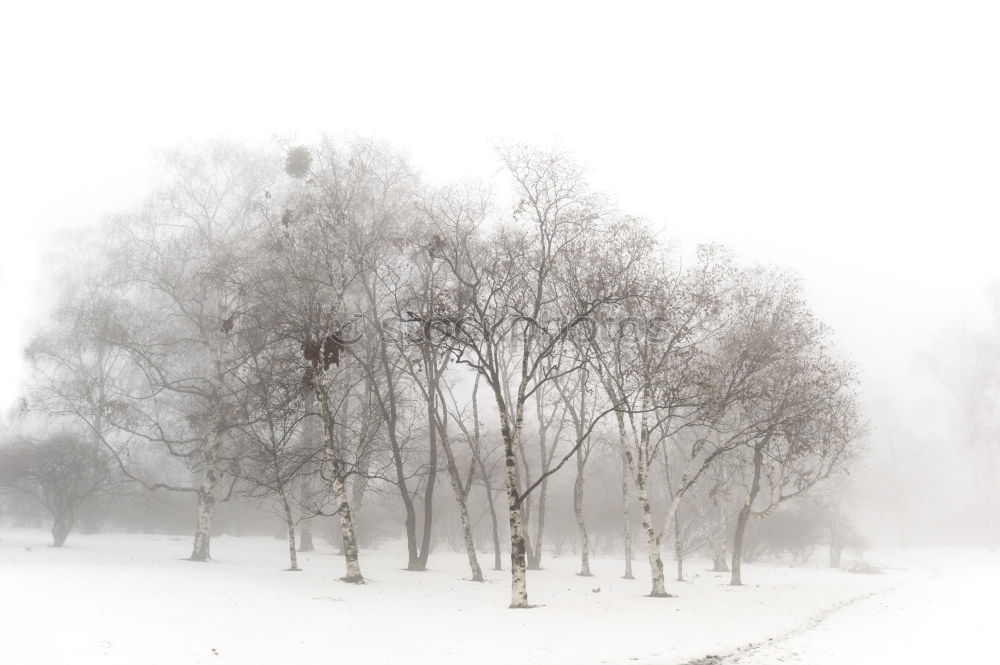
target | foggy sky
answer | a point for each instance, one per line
(854, 142)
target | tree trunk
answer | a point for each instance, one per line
(311, 433)
(203, 532)
(511, 433)
(387, 405)
(358, 485)
(658, 589)
(719, 564)
(463, 505)
(719, 541)
(535, 554)
(306, 536)
(363, 463)
(744, 517)
(206, 502)
(529, 551)
(470, 544)
(350, 545)
(678, 547)
(290, 522)
(626, 517)
(737, 557)
(62, 525)
(495, 521)
(425, 540)
(518, 558)
(201, 551)
(535, 561)
(836, 544)
(578, 511)
(410, 521)
(526, 506)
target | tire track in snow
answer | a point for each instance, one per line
(752, 648)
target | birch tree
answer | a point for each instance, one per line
(182, 255)
(802, 403)
(278, 461)
(311, 283)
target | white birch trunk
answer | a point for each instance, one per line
(626, 517)
(470, 544)
(201, 551)
(338, 486)
(290, 523)
(463, 506)
(581, 525)
(305, 536)
(518, 554)
(719, 541)
(658, 589)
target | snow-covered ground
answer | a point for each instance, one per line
(950, 616)
(122, 598)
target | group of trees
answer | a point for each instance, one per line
(313, 327)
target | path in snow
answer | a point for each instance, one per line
(951, 616)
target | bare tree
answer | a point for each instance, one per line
(181, 257)
(277, 458)
(61, 472)
(78, 376)
(802, 403)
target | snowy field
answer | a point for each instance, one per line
(949, 616)
(121, 598)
